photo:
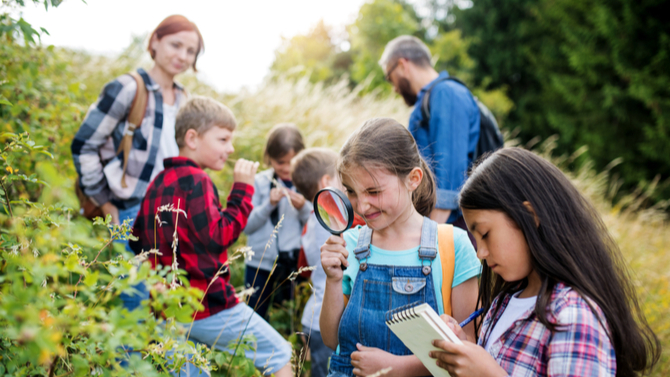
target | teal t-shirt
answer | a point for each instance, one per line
(467, 265)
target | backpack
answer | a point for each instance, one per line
(135, 116)
(490, 138)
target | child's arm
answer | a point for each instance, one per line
(221, 228)
(263, 206)
(333, 256)
(464, 303)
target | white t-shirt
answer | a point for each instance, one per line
(514, 310)
(168, 147)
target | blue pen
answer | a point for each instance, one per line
(472, 316)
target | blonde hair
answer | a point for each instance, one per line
(309, 166)
(385, 143)
(200, 114)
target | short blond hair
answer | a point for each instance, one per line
(200, 114)
(309, 166)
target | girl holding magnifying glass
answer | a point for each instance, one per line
(392, 261)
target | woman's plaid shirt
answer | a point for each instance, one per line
(204, 230)
(95, 145)
(580, 348)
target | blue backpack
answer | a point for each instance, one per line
(490, 138)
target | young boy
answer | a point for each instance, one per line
(203, 131)
(311, 170)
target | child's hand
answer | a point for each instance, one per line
(297, 199)
(467, 359)
(455, 327)
(369, 360)
(275, 196)
(245, 171)
(333, 256)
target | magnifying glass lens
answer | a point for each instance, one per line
(333, 211)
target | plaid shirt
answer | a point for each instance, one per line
(581, 346)
(95, 144)
(204, 233)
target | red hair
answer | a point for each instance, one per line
(173, 25)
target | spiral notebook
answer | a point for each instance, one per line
(417, 325)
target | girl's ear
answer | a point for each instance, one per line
(530, 209)
(414, 179)
(191, 139)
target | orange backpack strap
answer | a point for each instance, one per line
(135, 116)
(445, 243)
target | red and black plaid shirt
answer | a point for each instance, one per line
(204, 234)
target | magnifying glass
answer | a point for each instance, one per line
(334, 211)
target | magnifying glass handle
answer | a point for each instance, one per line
(341, 265)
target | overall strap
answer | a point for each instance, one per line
(427, 249)
(445, 241)
(362, 250)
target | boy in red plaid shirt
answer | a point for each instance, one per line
(203, 131)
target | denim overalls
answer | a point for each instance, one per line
(377, 289)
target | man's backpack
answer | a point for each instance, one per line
(136, 113)
(490, 138)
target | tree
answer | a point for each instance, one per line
(592, 71)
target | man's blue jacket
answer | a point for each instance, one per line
(448, 143)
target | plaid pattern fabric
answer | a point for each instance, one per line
(580, 348)
(95, 144)
(203, 234)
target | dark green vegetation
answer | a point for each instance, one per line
(594, 72)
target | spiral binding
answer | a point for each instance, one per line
(404, 313)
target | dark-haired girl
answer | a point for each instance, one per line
(555, 286)
(399, 257)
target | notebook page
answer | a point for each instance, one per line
(417, 334)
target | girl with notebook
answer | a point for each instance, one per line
(399, 257)
(554, 283)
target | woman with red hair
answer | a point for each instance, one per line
(115, 177)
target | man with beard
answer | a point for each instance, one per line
(447, 140)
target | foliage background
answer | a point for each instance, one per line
(596, 81)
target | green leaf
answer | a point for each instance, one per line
(5, 102)
(92, 278)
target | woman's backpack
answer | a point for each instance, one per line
(490, 138)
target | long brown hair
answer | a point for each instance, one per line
(173, 25)
(571, 245)
(385, 143)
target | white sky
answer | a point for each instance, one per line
(240, 36)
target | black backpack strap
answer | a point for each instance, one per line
(425, 101)
(274, 215)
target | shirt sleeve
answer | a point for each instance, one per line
(261, 203)
(449, 139)
(466, 263)
(581, 347)
(217, 229)
(100, 121)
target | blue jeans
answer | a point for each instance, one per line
(272, 351)
(132, 299)
(378, 289)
